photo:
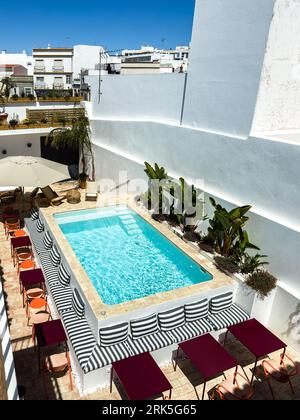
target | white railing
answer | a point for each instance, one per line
(40, 86)
(58, 68)
(39, 68)
(58, 86)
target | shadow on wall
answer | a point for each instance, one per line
(293, 330)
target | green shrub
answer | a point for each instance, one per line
(226, 265)
(249, 264)
(262, 282)
(30, 97)
(15, 97)
(13, 123)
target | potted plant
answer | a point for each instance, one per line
(227, 265)
(82, 180)
(13, 123)
(262, 282)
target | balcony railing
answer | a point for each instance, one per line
(40, 85)
(39, 69)
(58, 68)
(58, 86)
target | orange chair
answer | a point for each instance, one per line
(31, 294)
(39, 318)
(237, 387)
(22, 256)
(36, 304)
(57, 364)
(11, 225)
(280, 371)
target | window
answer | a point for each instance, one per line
(58, 65)
(68, 79)
(40, 79)
(27, 91)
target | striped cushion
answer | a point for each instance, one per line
(144, 326)
(34, 214)
(116, 334)
(104, 356)
(55, 256)
(221, 302)
(48, 241)
(196, 310)
(151, 343)
(80, 335)
(64, 276)
(191, 330)
(37, 240)
(171, 319)
(62, 297)
(233, 315)
(78, 304)
(39, 226)
(51, 272)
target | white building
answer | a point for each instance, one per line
(53, 68)
(210, 126)
(170, 60)
(13, 59)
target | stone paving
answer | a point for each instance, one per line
(45, 387)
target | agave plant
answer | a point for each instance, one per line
(226, 230)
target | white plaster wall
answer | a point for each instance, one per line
(9, 366)
(252, 171)
(85, 57)
(285, 317)
(278, 104)
(16, 144)
(225, 64)
(139, 97)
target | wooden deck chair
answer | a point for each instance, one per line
(53, 198)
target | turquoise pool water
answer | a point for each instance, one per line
(125, 257)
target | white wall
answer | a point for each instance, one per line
(9, 366)
(15, 142)
(225, 64)
(278, 105)
(85, 57)
(153, 97)
(18, 58)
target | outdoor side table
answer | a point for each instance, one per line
(31, 278)
(140, 377)
(208, 357)
(257, 339)
(49, 334)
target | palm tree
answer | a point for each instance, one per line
(78, 136)
(6, 85)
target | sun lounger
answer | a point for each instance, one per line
(91, 191)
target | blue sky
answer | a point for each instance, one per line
(112, 23)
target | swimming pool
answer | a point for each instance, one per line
(125, 257)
